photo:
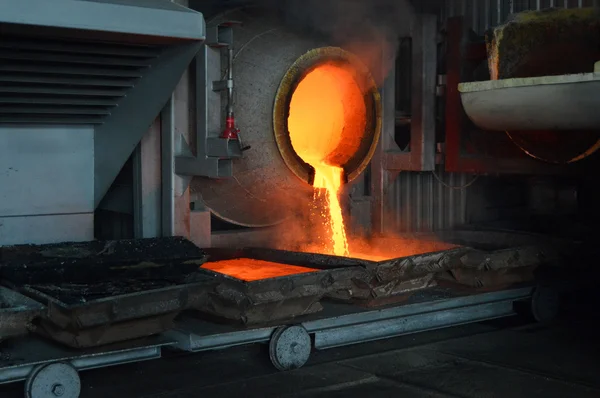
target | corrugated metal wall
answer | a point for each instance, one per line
(421, 202)
(484, 14)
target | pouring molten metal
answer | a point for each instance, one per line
(326, 109)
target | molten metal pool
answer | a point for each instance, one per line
(251, 270)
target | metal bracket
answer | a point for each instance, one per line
(221, 35)
(222, 85)
(424, 92)
(441, 86)
(214, 154)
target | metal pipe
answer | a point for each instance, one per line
(498, 12)
(230, 81)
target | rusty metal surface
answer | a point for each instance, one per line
(16, 313)
(489, 279)
(344, 279)
(519, 257)
(417, 266)
(271, 299)
(99, 261)
(91, 290)
(106, 334)
(376, 294)
(264, 313)
(114, 309)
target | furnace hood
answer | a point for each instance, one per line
(110, 64)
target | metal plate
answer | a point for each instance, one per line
(290, 347)
(53, 380)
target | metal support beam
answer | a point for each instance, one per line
(402, 320)
(213, 154)
(344, 325)
(167, 128)
(388, 161)
(147, 181)
(116, 139)
(26, 354)
(422, 154)
(175, 126)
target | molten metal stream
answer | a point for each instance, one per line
(329, 178)
(324, 105)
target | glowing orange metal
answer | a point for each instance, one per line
(250, 270)
(327, 102)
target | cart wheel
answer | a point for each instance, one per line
(53, 380)
(545, 304)
(289, 347)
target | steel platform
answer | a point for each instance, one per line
(19, 357)
(343, 324)
(44, 365)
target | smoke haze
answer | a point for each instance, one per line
(368, 28)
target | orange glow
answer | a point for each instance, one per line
(395, 247)
(329, 179)
(250, 270)
(326, 120)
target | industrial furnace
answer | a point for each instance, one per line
(192, 176)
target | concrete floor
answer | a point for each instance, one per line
(497, 359)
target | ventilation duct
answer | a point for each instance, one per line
(110, 64)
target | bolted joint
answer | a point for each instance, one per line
(58, 390)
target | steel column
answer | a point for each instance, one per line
(421, 156)
(167, 118)
(147, 181)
